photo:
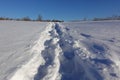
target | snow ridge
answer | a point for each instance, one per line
(50, 70)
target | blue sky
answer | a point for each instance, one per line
(59, 9)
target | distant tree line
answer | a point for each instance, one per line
(39, 18)
(114, 17)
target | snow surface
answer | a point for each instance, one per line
(16, 41)
(60, 51)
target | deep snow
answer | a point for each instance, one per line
(60, 51)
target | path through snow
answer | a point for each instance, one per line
(58, 56)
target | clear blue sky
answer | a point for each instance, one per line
(59, 9)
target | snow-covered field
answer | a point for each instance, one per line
(60, 51)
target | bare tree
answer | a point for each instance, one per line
(39, 18)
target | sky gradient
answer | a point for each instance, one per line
(59, 9)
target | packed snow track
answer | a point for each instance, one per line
(59, 55)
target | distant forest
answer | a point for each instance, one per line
(39, 18)
(114, 17)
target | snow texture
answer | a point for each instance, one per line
(86, 50)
